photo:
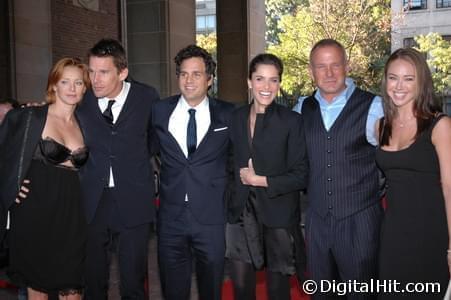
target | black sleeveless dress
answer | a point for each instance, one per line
(48, 228)
(414, 236)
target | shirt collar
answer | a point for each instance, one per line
(120, 98)
(343, 96)
(202, 106)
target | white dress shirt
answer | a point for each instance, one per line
(116, 110)
(178, 122)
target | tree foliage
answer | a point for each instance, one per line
(208, 42)
(438, 51)
(362, 26)
(275, 9)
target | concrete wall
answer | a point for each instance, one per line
(239, 39)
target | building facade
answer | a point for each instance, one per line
(205, 16)
(35, 34)
(415, 17)
(411, 18)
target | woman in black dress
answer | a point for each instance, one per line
(270, 168)
(41, 150)
(415, 155)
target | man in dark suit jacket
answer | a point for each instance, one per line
(118, 179)
(192, 131)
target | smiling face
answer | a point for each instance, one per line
(328, 68)
(193, 80)
(402, 84)
(265, 84)
(106, 79)
(69, 89)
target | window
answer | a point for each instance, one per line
(200, 23)
(409, 43)
(211, 22)
(443, 3)
(206, 23)
(414, 4)
(447, 105)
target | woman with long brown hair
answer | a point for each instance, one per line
(415, 155)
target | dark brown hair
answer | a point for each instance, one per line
(425, 105)
(191, 51)
(266, 59)
(110, 48)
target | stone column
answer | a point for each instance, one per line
(241, 35)
(156, 31)
(32, 49)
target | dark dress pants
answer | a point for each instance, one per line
(179, 241)
(132, 251)
(343, 250)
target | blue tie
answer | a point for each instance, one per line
(191, 135)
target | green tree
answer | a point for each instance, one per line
(363, 27)
(208, 42)
(275, 9)
(438, 52)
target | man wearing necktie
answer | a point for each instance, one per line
(193, 138)
(118, 179)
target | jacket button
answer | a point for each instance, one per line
(329, 193)
(112, 156)
(328, 137)
(330, 207)
(329, 179)
(113, 132)
(329, 165)
(328, 151)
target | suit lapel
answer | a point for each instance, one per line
(129, 102)
(171, 104)
(215, 122)
(36, 126)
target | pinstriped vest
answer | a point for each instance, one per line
(343, 174)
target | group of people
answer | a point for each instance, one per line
(77, 179)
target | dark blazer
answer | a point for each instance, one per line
(12, 135)
(279, 153)
(203, 176)
(19, 126)
(126, 147)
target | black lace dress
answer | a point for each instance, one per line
(48, 229)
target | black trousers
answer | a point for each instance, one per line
(105, 230)
(181, 240)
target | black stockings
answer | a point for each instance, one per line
(244, 282)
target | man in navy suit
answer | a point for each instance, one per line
(193, 136)
(118, 179)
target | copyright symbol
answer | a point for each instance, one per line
(309, 287)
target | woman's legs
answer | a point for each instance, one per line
(243, 279)
(278, 286)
